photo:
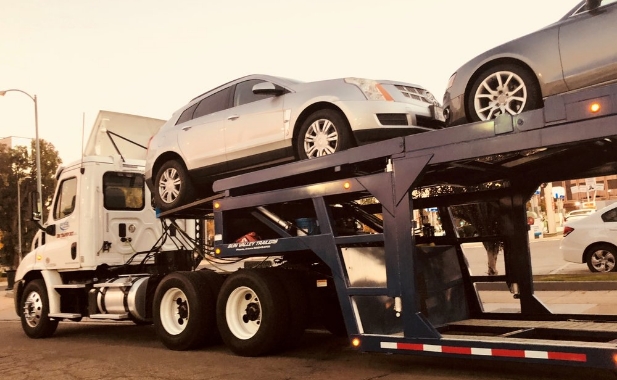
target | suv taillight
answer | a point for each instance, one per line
(567, 230)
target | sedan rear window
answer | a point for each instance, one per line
(610, 216)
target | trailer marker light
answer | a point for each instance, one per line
(347, 185)
(39, 257)
(217, 205)
(355, 342)
(217, 251)
(594, 107)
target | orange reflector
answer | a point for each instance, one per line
(347, 185)
(385, 93)
(217, 251)
(594, 107)
(217, 205)
(615, 358)
(355, 342)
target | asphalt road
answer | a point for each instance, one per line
(96, 351)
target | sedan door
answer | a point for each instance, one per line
(588, 48)
(254, 127)
(202, 138)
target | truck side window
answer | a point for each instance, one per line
(65, 200)
(123, 191)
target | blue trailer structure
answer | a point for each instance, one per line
(347, 249)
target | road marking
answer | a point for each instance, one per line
(556, 271)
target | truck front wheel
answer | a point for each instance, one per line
(183, 311)
(252, 312)
(35, 319)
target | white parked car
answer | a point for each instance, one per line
(592, 240)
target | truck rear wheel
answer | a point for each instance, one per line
(252, 312)
(184, 311)
(34, 304)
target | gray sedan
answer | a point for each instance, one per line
(576, 52)
(259, 120)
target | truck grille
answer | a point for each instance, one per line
(417, 94)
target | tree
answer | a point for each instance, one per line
(16, 164)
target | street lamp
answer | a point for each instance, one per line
(19, 216)
(38, 150)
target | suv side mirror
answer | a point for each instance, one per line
(592, 5)
(268, 88)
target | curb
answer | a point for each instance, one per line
(553, 286)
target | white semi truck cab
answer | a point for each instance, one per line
(101, 241)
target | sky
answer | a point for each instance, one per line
(149, 58)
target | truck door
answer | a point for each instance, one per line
(60, 250)
(130, 223)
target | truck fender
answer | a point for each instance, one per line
(52, 278)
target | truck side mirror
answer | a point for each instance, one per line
(51, 230)
(34, 206)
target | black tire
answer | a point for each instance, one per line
(215, 282)
(602, 258)
(34, 305)
(297, 300)
(252, 312)
(480, 99)
(173, 186)
(314, 132)
(184, 311)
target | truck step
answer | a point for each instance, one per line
(65, 315)
(70, 286)
(113, 285)
(110, 316)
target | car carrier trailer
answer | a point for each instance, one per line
(332, 242)
(344, 222)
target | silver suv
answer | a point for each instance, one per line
(260, 120)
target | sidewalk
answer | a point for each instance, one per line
(7, 307)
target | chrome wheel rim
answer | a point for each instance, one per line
(243, 313)
(499, 93)
(169, 185)
(33, 309)
(603, 260)
(320, 139)
(174, 311)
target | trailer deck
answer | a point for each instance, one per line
(412, 292)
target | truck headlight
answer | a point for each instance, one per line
(371, 89)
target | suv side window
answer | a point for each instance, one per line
(216, 102)
(244, 93)
(65, 201)
(187, 114)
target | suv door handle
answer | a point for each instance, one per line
(186, 128)
(233, 117)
